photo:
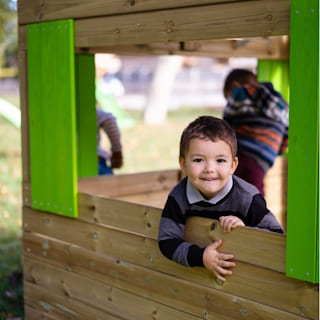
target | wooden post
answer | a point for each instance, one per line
(53, 162)
(86, 116)
(303, 172)
(277, 72)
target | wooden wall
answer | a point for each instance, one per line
(275, 186)
(154, 27)
(106, 265)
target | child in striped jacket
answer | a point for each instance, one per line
(260, 117)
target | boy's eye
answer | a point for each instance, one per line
(197, 160)
(221, 160)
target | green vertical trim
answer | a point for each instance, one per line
(277, 72)
(303, 172)
(51, 83)
(86, 116)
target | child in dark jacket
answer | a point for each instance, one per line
(208, 149)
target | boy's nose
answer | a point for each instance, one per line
(210, 167)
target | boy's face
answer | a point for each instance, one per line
(208, 165)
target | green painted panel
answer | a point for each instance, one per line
(303, 164)
(53, 165)
(277, 72)
(86, 116)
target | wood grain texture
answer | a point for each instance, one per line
(110, 298)
(73, 290)
(226, 20)
(179, 287)
(31, 313)
(31, 11)
(129, 184)
(271, 48)
(262, 248)
(52, 306)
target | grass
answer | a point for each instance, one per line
(146, 148)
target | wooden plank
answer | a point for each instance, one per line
(22, 38)
(258, 284)
(276, 72)
(72, 287)
(52, 122)
(142, 219)
(152, 199)
(267, 249)
(126, 184)
(248, 244)
(275, 186)
(31, 313)
(261, 48)
(252, 246)
(23, 85)
(86, 116)
(220, 21)
(34, 11)
(303, 232)
(59, 307)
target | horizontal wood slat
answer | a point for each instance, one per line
(137, 218)
(129, 184)
(266, 249)
(36, 10)
(258, 247)
(31, 313)
(270, 48)
(224, 20)
(72, 287)
(53, 306)
(258, 284)
(253, 246)
(153, 199)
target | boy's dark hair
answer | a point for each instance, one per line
(208, 127)
(243, 76)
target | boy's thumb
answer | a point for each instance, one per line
(217, 244)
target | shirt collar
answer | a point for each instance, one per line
(194, 195)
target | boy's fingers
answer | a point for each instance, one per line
(225, 256)
(227, 264)
(219, 276)
(220, 273)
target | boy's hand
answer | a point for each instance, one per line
(116, 160)
(227, 223)
(218, 262)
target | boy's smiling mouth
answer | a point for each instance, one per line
(208, 178)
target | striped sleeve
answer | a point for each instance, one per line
(259, 215)
(171, 232)
(107, 122)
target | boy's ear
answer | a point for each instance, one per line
(182, 164)
(235, 163)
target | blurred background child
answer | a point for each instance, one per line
(260, 117)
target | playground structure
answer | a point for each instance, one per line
(90, 243)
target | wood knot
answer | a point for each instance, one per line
(132, 3)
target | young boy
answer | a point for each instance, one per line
(260, 117)
(208, 149)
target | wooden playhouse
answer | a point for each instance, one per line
(90, 243)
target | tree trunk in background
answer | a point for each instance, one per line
(161, 87)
